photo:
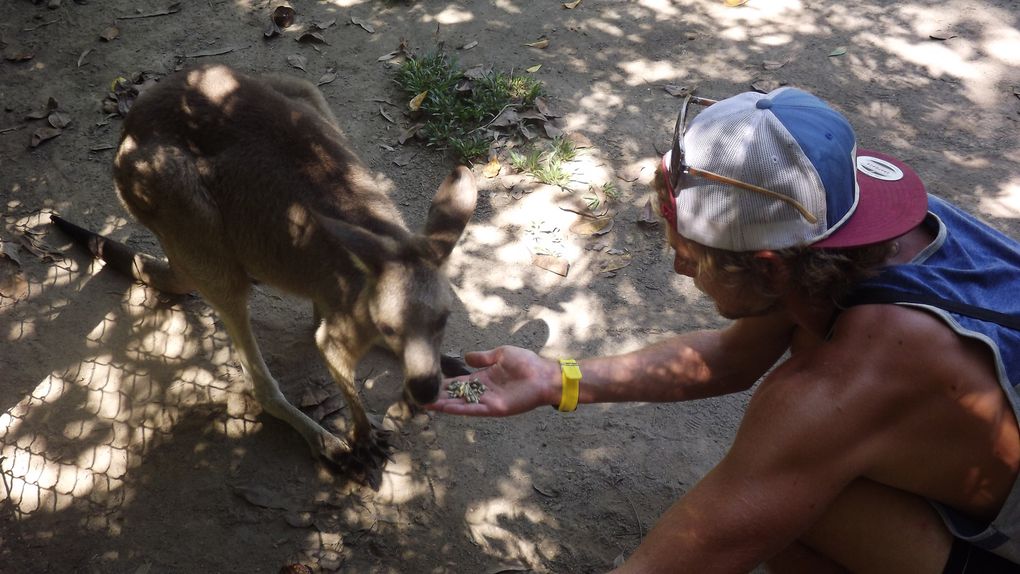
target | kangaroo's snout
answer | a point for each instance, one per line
(423, 390)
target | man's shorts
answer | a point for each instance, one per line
(965, 558)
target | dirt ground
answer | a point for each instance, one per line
(128, 439)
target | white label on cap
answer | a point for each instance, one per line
(878, 168)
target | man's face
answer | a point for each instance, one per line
(731, 300)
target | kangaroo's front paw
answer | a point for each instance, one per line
(362, 458)
(369, 456)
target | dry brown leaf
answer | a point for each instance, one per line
(765, 86)
(541, 43)
(51, 104)
(571, 5)
(312, 37)
(943, 34)
(110, 34)
(18, 55)
(492, 168)
(364, 25)
(616, 263)
(81, 58)
(589, 226)
(383, 113)
(551, 131)
(13, 284)
(59, 120)
(297, 61)
(390, 56)
(324, 24)
(534, 68)
(648, 216)
(42, 134)
(557, 265)
(469, 45)
(678, 91)
(543, 108)
(415, 104)
(408, 133)
(773, 64)
(326, 78)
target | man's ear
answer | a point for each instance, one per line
(778, 272)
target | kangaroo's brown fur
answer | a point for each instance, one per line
(244, 179)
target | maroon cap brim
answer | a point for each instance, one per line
(885, 209)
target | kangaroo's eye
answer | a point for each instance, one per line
(387, 330)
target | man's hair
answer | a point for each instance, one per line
(821, 272)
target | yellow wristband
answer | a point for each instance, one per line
(571, 384)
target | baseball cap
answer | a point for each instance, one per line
(799, 178)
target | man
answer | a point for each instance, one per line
(887, 441)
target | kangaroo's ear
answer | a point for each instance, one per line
(369, 250)
(451, 209)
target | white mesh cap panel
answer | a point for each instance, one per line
(751, 145)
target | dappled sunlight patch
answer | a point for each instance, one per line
(1004, 202)
(73, 439)
(401, 482)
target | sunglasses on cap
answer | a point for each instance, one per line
(677, 172)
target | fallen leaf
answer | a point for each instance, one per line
(551, 131)
(505, 118)
(772, 64)
(408, 133)
(765, 86)
(648, 216)
(678, 91)
(324, 24)
(18, 55)
(557, 265)
(615, 264)
(477, 72)
(81, 59)
(383, 113)
(42, 134)
(534, 68)
(59, 120)
(571, 5)
(364, 25)
(543, 108)
(541, 43)
(312, 37)
(492, 168)
(734, 3)
(589, 226)
(943, 34)
(210, 52)
(838, 51)
(390, 56)
(403, 160)
(297, 61)
(549, 492)
(415, 103)
(326, 78)
(109, 34)
(469, 45)
(51, 104)
(13, 284)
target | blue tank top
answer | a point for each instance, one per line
(969, 263)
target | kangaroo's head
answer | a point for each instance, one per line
(409, 296)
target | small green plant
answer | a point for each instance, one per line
(456, 109)
(547, 166)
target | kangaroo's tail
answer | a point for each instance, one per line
(141, 267)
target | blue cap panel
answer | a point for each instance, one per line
(827, 140)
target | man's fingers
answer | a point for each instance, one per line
(460, 407)
(481, 359)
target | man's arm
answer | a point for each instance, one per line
(689, 366)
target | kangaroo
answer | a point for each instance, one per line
(246, 179)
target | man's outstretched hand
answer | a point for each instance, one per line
(516, 380)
